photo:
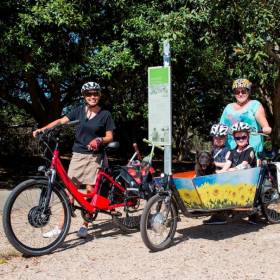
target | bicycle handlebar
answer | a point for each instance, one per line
(254, 131)
(73, 122)
(259, 132)
(151, 143)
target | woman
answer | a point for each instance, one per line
(95, 128)
(247, 111)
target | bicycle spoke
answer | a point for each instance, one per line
(159, 221)
(31, 234)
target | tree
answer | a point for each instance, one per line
(257, 53)
(49, 48)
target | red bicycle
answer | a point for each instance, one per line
(38, 205)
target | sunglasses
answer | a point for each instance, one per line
(92, 93)
(237, 138)
(243, 92)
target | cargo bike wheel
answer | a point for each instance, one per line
(271, 205)
(27, 217)
(158, 222)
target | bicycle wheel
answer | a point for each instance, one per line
(158, 223)
(271, 205)
(25, 221)
(127, 219)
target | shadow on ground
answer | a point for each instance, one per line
(103, 229)
(217, 232)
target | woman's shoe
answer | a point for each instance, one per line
(253, 219)
(82, 232)
(52, 233)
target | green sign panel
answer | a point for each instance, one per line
(159, 89)
(158, 76)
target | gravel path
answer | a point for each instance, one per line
(237, 250)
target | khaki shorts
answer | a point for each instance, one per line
(83, 168)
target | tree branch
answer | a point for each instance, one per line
(270, 48)
(20, 103)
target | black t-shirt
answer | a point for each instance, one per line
(88, 129)
(237, 158)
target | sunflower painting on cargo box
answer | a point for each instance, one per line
(224, 190)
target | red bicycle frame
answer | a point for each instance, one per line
(98, 202)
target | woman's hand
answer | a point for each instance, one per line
(266, 130)
(261, 119)
(95, 144)
(37, 131)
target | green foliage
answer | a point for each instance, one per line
(49, 48)
(10, 115)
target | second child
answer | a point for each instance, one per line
(220, 152)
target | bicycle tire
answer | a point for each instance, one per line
(147, 225)
(271, 209)
(270, 200)
(13, 237)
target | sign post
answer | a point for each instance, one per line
(159, 107)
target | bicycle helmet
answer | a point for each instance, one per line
(242, 83)
(240, 126)
(219, 130)
(90, 86)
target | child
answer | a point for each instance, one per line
(219, 152)
(243, 156)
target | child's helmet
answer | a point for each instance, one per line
(240, 126)
(219, 130)
(242, 83)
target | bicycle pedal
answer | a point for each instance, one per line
(132, 192)
(116, 213)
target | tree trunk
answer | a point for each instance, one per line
(276, 112)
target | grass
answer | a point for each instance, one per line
(7, 255)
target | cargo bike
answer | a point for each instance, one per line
(243, 192)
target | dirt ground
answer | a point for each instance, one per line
(237, 250)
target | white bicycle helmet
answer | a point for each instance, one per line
(240, 126)
(90, 86)
(242, 83)
(219, 130)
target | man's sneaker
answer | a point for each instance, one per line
(252, 219)
(215, 220)
(82, 232)
(52, 233)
